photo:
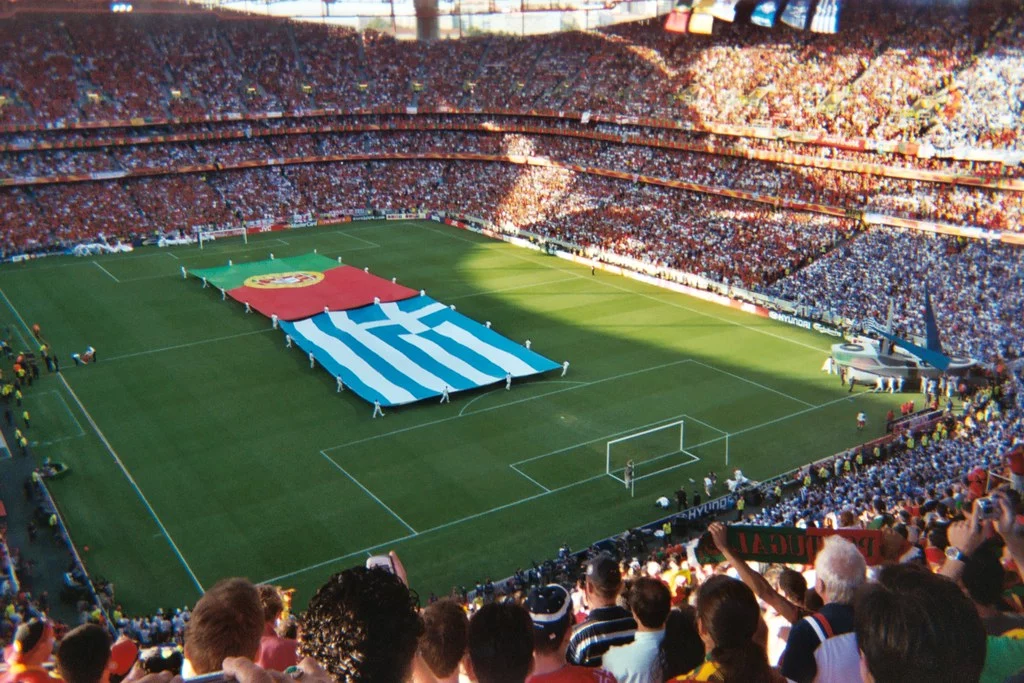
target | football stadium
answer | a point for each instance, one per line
(512, 341)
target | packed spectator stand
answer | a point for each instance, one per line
(904, 113)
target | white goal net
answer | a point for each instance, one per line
(656, 450)
(206, 236)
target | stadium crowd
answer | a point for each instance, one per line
(943, 600)
(893, 73)
(953, 551)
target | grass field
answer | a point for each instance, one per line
(201, 448)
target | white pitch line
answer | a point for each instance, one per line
(511, 289)
(116, 258)
(792, 415)
(518, 471)
(361, 239)
(494, 391)
(604, 437)
(756, 384)
(97, 264)
(606, 283)
(369, 493)
(81, 430)
(505, 405)
(20, 319)
(148, 277)
(131, 480)
(185, 346)
(431, 530)
(542, 494)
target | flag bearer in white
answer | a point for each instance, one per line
(508, 381)
(444, 395)
(376, 410)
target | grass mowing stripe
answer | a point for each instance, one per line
(489, 292)
(506, 506)
(186, 345)
(97, 264)
(510, 403)
(520, 472)
(71, 414)
(604, 282)
(369, 493)
(216, 434)
(20, 319)
(756, 384)
(439, 527)
(131, 480)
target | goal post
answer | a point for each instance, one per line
(205, 235)
(653, 451)
(643, 447)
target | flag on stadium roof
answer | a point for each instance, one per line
(826, 17)
(301, 286)
(678, 19)
(409, 350)
(764, 13)
(724, 10)
(795, 14)
(701, 19)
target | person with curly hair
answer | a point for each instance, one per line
(362, 626)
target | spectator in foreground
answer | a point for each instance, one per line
(916, 626)
(362, 626)
(226, 622)
(32, 646)
(500, 644)
(639, 662)
(550, 610)
(443, 644)
(607, 624)
(840, 570)
(682, 649)
(275, 652)
(728, 619)
(84, 655)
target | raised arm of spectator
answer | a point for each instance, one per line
(757, 583)
(964, 536)
(1011, 532)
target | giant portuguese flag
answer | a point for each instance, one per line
(301, 286)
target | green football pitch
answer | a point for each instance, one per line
(202, 448)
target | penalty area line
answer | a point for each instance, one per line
(370, 493)
(505, 405)
(527, 476)
(439, 527)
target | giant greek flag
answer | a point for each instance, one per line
(409, 350)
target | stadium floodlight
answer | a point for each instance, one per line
(120, 7)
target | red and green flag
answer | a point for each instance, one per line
(301, 286)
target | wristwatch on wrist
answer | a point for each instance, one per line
(954, 553)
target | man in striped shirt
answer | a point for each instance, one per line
(607, 624)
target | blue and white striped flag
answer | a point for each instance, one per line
(410, 350)
(826, 17)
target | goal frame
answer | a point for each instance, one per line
(608, 470)
(212, 235)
